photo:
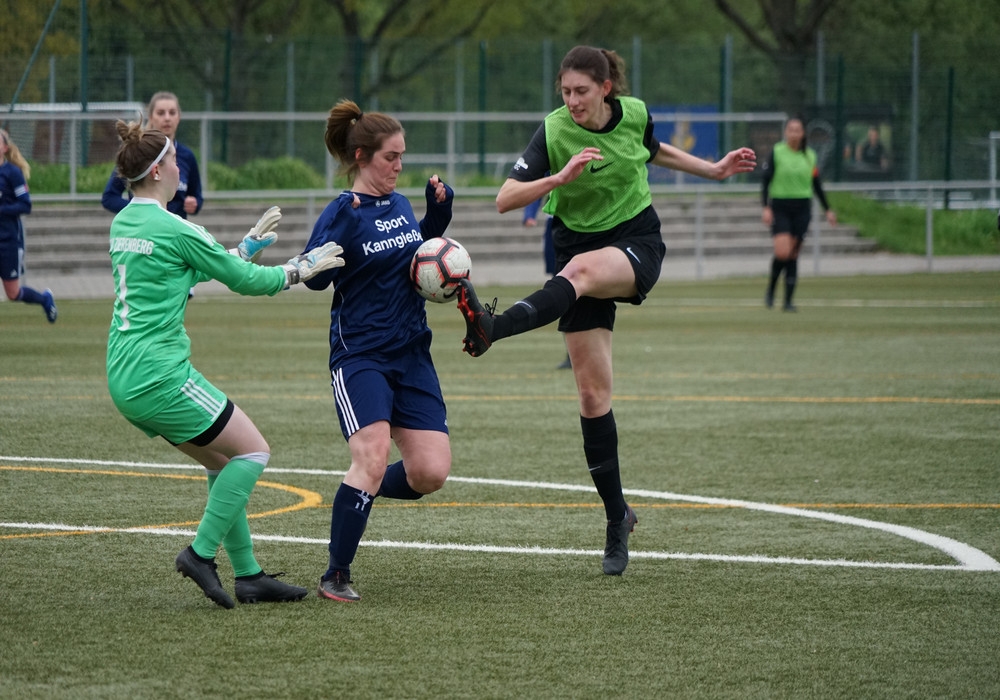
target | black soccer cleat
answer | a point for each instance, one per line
(266, 588)
(203, 573)
(616, 545)
(338, 588)
(478, 320)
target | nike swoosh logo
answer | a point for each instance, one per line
(594, 168)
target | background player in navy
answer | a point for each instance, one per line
(163, 114)
(14, 202)
(384, 382)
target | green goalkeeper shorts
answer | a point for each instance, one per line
(186, 413)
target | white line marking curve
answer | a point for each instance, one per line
(969, 558)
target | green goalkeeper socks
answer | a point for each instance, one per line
(226, 507)
(237, 542)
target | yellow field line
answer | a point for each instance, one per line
(308, 499)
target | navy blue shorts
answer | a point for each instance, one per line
(641, 241)
(12, 257)
(403, 390)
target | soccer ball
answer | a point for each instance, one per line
(437, 267)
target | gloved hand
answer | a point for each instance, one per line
(260, 236)
(309, 264)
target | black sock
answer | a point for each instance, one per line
(600, 447)
(200, 558)
(776, 267)
(252, 577)
(536, 310)
(791, 277)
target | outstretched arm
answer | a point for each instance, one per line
(514, 194)
(742, 160)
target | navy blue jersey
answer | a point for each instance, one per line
(115, 195)
(375, 310)
(14, 201)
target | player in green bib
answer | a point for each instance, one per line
(590, 157)
(790, 176)
(156, 258)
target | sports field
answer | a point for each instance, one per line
(818, 497)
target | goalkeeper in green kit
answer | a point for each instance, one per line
(156, 258)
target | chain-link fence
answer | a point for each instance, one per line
(931, 121)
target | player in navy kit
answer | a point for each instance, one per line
(163, 114)
(384, 382)
(14, 202)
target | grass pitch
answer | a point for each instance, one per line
(818, 498)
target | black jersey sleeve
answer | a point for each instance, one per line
(818, 189)
(649, 139)
(767, 172)
(534, 162)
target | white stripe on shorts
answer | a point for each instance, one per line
(344, 402)
(202, 398)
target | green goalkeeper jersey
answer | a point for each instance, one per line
(156, 258)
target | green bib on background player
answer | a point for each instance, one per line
(793, 173)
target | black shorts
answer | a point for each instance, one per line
(641, 241)
(791, 216)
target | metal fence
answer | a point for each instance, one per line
(934, 121)
(454, 142)
(931, 195)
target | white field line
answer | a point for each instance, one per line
(837, 303)
(969, 558)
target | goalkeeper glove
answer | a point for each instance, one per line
(309, 264)
(260, 236)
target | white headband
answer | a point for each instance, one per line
(144, 173)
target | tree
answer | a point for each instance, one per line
(785, 31)
(189, 33)
(20, 31)
(379, 31)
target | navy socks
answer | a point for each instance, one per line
(30, 296)
(351, 507)
(394, 484)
